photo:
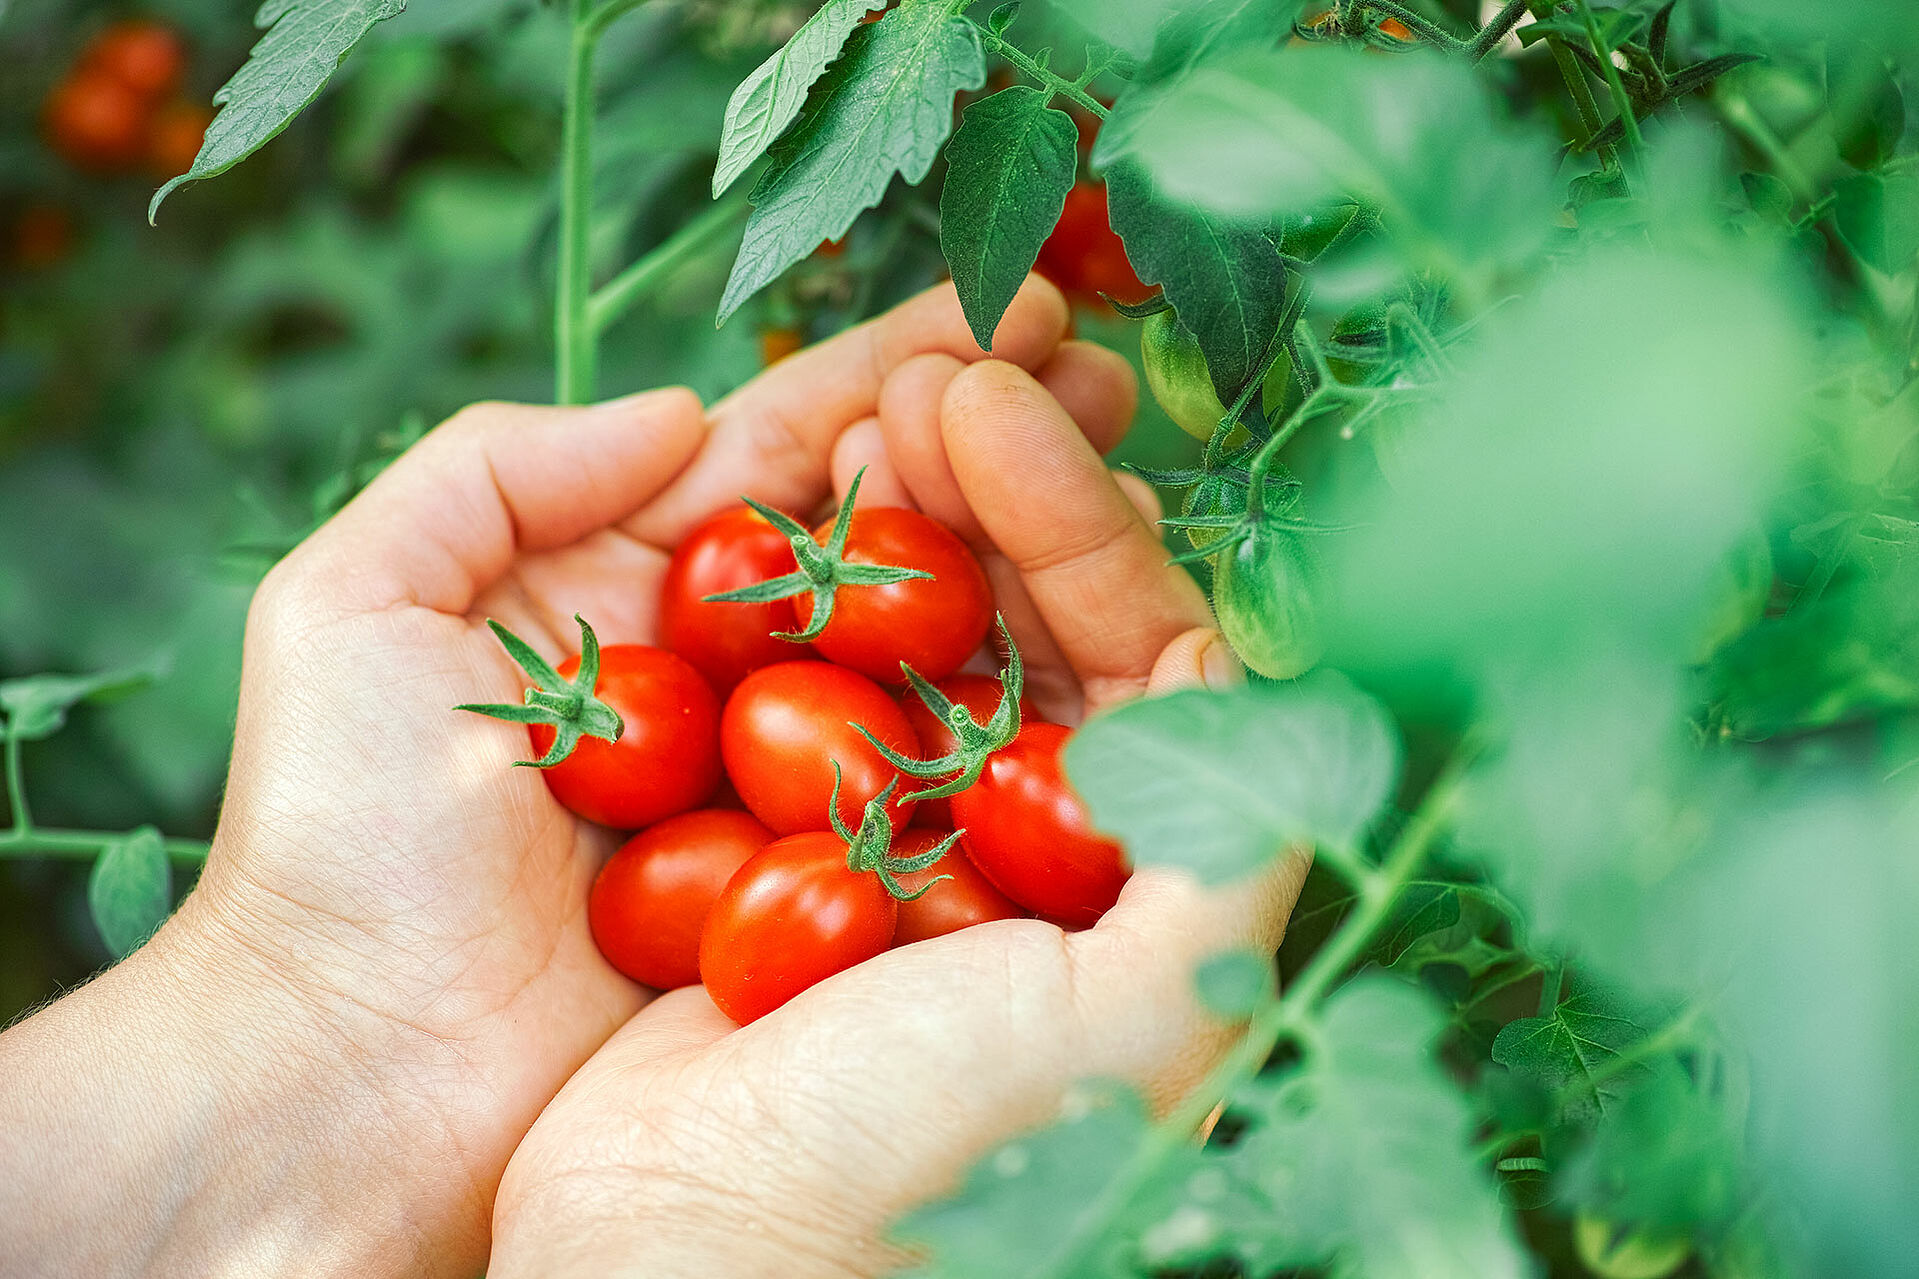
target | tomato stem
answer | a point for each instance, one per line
(616, 297)
(40, 841)
(568, 706)
(22, 816)
(1057, 83)
(1621, 102)
(976, 742)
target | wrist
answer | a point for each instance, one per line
(193, 1111)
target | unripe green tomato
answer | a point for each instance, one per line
(1612, 1254)
(1265, 595)
(1741, 585)
(1176, 373)
(1214, 495)
(1307, 236)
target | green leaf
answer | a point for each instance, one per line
(305, 42)
(1018, 1208)
(1008, 170)
(130, 890)
(1225, 277)
(36, 707)
(1235, 983)
(1667, 1156)
(1561, 1051)
(1222, 783)
(1364, 1152)
(1422, 909)
(883, 108)
(769, 99)
(1260, 134)
(1878, 217)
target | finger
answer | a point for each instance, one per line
(1096, 571)
(1096, 387)
(679, 1021)
(447, 519)
(1200, 658)
(773, 438)
(1143, 496)
(861, 452)
(1144, 957)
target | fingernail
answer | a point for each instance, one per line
(1219, 667)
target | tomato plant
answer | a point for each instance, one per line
(651, 899)
(724, 640)
(1028, 832)
(1582, 331)
(787, 727)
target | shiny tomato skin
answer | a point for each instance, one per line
(965, 899)
(146, 57)
(666, 761)
(978, 694)
(650, 901)
(725, 642)
(1028, 832)
(934, 625)
(95, 123)
(791, 917)
(1084, 255)
(785, 725)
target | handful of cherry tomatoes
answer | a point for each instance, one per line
(119, 109)
(812, 776)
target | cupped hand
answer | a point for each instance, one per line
(688, 1146)
(391, 929)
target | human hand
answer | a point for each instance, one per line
(324, 1061)
(688, 1146)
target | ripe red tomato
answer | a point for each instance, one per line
(175, 139)
(967, 898)
(784, 728)
(791, 917)
(1029, 834)
(735, 548)
(651, 899)
(978, 694)
(96, 123)
(146, 57)
(668, 758)
(934, 625)
(1084, 255)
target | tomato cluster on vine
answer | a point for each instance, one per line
(812, 776)
(119, 108)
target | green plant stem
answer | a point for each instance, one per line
(1497, 29)
(1056, 83)
(1290, 1013)
(1550, 989)
(574, 347)
(618, 295)
(21, 815)
(79, 844)
(1420, 25)
(1577, 87)
(1621, 102)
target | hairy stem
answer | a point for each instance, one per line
(83, 844)
(1621, 103)
(1052, 80)
(618, 295)
(22, 816)
(574, 344)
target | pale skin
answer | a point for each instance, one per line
(377, 1038)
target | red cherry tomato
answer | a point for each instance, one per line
(651, 899)
(95, 123)
(786, 725)
(978, 694)
(147, 57)
(934, 625)
(735, 548)
(793, 916)
(965, 899)
(1084, 255)
(667, 760)
(1030, 835)
(175, 139)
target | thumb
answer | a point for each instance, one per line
(1199, 658)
